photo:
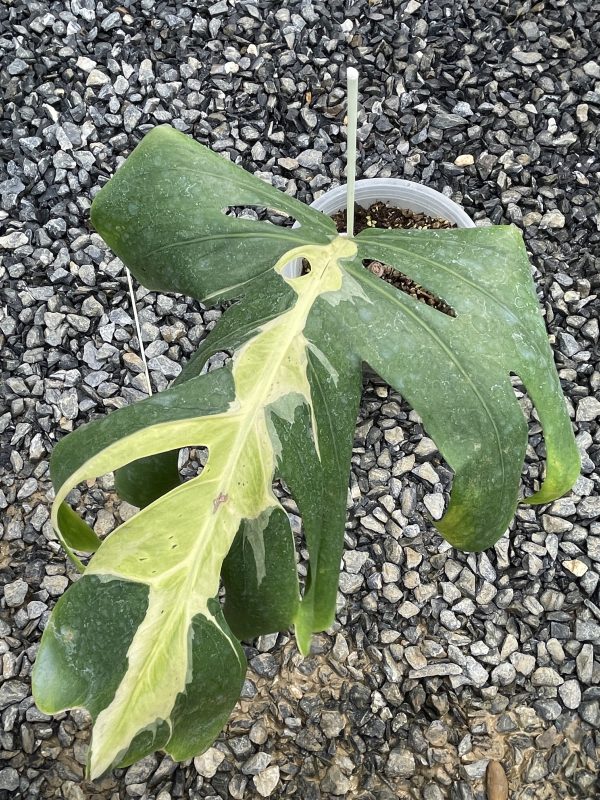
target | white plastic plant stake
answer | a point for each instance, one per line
(352, 78)
(138, 329)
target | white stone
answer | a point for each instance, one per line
(546, 676)
(146, 72)
(85, 64)
(578, 568)
(553, 219)
(570, 694)
(588, 409)
(504, 674)
(400, 763)
(15, 593)
(592, 68)
(266, 781)
(13, 240)
(208, 763)
(408, 610)
(97, 78)
(465, 160)
(310, 159)
(426, 472)
(509, 646)
(426, 447)
(585, 663)
(523, 663)
(434, 503)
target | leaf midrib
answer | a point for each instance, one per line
(247, 425)
(225, 236)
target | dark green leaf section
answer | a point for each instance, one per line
(145, 480)
(218, 669)
(83, 654)
(468, 407)
(162, 213)
(319, 481)
(83, 657)
(455, 371)
(484, 274)
(336, 399)
(260, 577)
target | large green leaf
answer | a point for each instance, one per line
(285, 408)
(165, 208)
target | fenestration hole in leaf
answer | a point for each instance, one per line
(259, 214)
(535, 455)
(191, 462)
(216, 361)
(399, 481)
(283, 494)
(305, 267)
(407, 285)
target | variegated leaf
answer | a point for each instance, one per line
(284, 409)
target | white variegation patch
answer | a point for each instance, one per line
(176, 545)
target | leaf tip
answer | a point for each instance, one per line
(561, 482)
(303, 639)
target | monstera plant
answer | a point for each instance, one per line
(142, 639)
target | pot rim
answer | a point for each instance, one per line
(392, 190)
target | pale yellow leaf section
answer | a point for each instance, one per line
(177, 544)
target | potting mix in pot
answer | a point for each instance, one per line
(383, 215)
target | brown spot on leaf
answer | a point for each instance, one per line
(222, 498)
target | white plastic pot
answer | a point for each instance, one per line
(395, 192)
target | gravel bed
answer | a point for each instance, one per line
(438, 661)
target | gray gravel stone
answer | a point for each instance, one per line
(9, 779)
(335, 782)
(332, 723)
(15, 593)
(589, 507)
(537, 769)
(208, 763)
(590, 713)
(504, 674)
(435, 670)
(546, 676)
(585, 663)
(310, 159)
(570, 694)
(588, 409)
(587, 631)
(400, 763)
(12, 692)
(97, 78)
(257, 763)
(13, 240)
